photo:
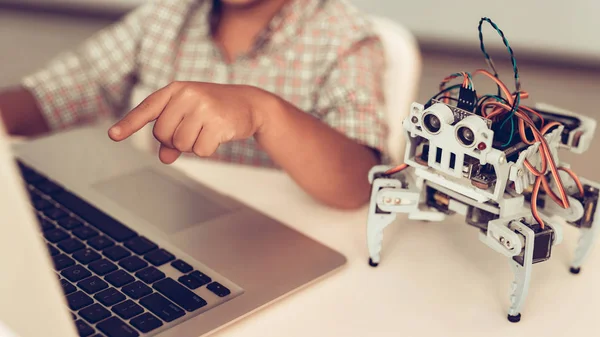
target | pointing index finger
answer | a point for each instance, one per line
(147, 111)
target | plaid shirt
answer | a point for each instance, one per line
(320, 55)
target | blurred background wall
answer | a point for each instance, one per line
(556, 42)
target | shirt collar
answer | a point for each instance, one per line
(284, 26)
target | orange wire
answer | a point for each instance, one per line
(503, 87)
(534, 196)
(575, 178)
(546, 128)
(530, 110)
(396, 169)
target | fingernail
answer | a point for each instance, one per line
(115, 130)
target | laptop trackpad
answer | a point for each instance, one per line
(160, 200)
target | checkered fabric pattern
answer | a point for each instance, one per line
(320, 55)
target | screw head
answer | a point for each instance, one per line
(520, 172)
(414, 119)
(397, 201)
(502, 159)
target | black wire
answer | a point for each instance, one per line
(482, 99)
(456, 86)
(450, 98)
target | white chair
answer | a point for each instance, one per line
(401, 79)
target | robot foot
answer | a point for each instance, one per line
(574, 270)
(372, 263)
(514, 318)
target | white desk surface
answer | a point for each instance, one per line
(435, 279)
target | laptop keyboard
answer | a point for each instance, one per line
(110, 274)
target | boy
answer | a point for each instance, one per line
(293, 84)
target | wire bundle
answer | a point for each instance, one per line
(505, 107)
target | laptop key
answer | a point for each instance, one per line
(86, 256)
(55, 213)
(62, 261)
(110, 297)
(71, 245)
(116, 253)
(56, 235)
(182, 266)
(150, 275)
(162, 307)
(115, 327)
(201, 277)
(119, 278)
(95, 217)
(92, 285)
(94, 313)
(83, 328)
(69, 223)
(53, 251)
(146, 322)
(75, 273)
(133, 264)
(102, 267)
(190, 282)
(218, 289)
(41, 204)
(179, 294)
(136, 290)
(101, 242)
(46, 225)
(85, 232)
(159, 257)
(127, 309)
(140, 245)
(67, 287)
(78, 300)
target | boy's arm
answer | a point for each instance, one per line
(326, 163)
(20, 113)
(78, 85)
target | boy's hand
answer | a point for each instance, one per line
(193, 117)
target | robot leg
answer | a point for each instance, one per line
(525, 243)
(588, 224)
(388, 197)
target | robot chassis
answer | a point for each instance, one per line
(449, 174)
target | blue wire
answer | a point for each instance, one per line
(489, 61)
(512, 131)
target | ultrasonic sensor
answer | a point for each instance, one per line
(432, 123)
(465, 136)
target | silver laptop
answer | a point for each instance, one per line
(100, 239)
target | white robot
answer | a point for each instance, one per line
(453, 165)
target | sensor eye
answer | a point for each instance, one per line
(465, 136)
(432, 123)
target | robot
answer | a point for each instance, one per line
(456, 163)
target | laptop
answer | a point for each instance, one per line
(100, 239)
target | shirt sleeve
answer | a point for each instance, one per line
(93, 79)
(351, 99)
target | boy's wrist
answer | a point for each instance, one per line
(265, 107)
